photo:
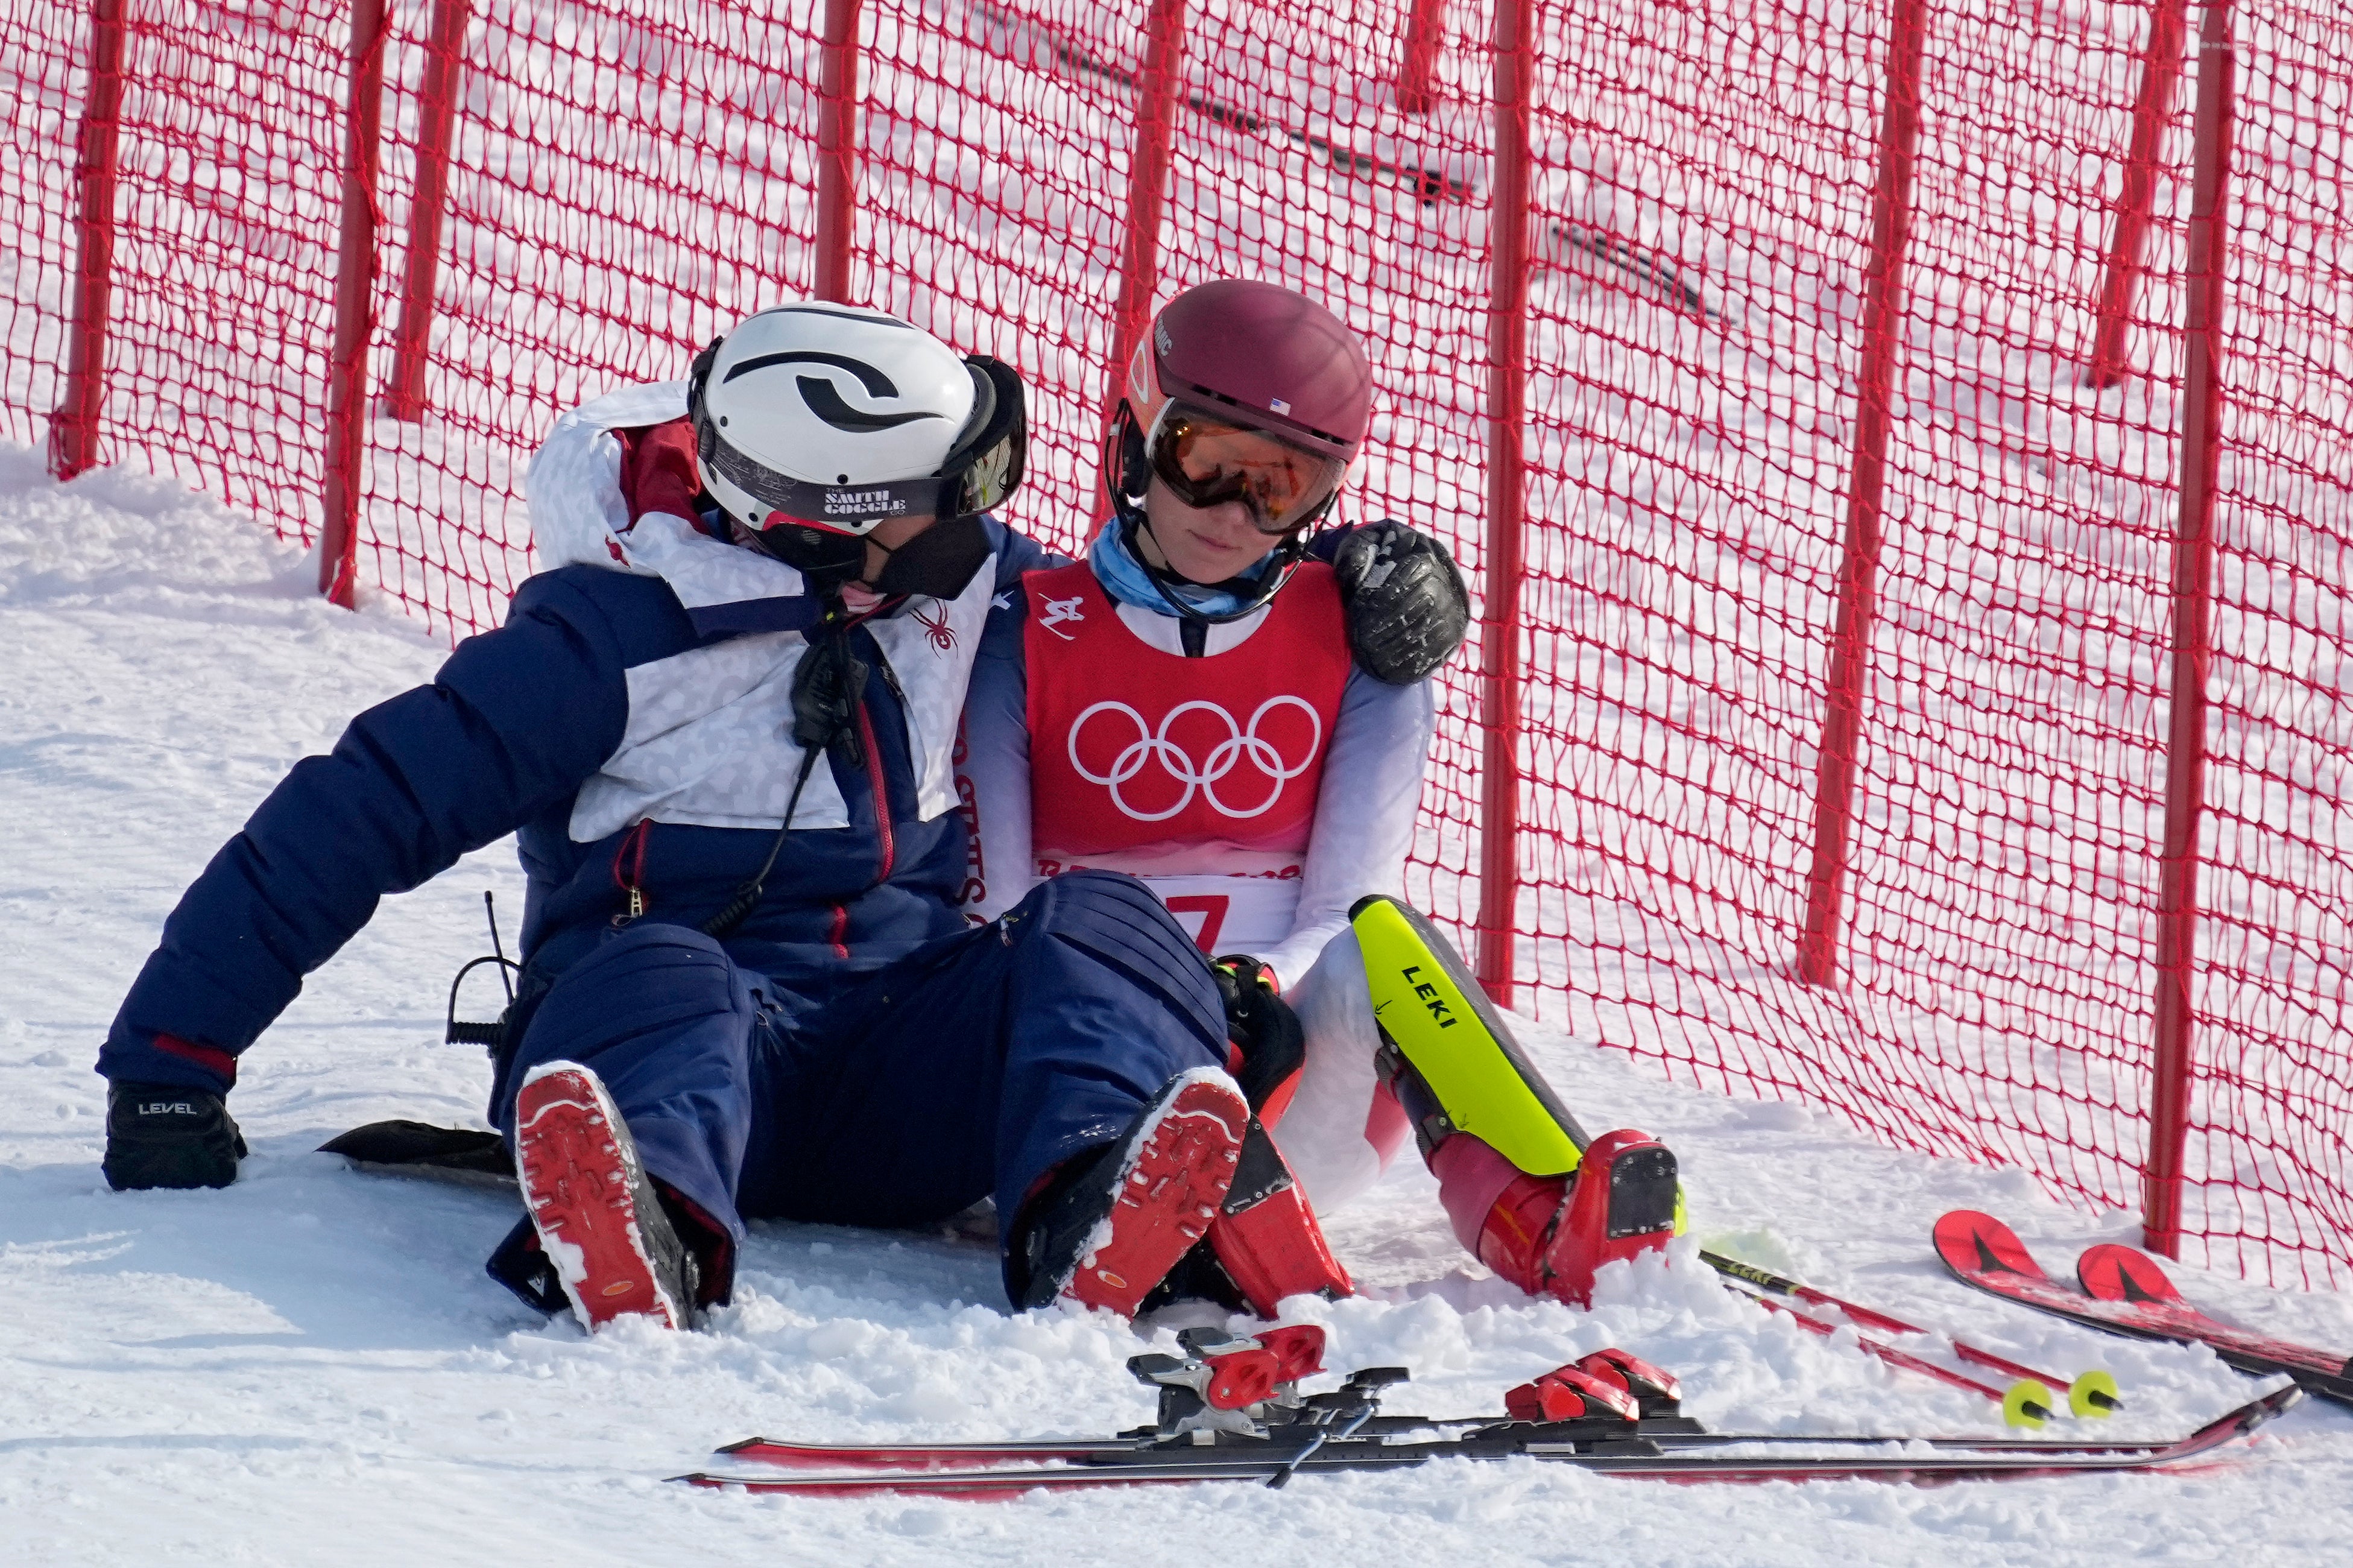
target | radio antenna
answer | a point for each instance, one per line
(491, 913)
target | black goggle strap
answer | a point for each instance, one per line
(698, 376)
(1124, 459)
(842, 509)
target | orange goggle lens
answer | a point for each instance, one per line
(1208, 462)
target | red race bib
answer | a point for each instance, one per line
(1133, 747)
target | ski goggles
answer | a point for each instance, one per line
(981, 470)
(1208, 460)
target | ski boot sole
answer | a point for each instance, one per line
(1174, 1175)
(584, 1186)
(1624, 1201)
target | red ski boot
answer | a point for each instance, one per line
(593, 1205)
(1547, 1235)
(1104, 1234)
(1265, 1236)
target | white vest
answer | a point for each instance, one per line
(709, 737)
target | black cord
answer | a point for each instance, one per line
(456, 1034)
(747, 896)
(828, 687)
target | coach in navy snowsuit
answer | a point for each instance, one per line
(850, 1050)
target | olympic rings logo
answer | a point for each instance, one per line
(1229, 754)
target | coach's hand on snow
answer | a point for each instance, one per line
(1406, 606)
(162, 1135)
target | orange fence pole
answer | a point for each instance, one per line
(354, 307)
(1499, 621)
(1147, 184)
(2161, 73)
(73, 428)
(1425, 36)
(837, 150)
(404, 396)
(1882, 342)
(2193, 572)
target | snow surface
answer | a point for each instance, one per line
(311, 1367)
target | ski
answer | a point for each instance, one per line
(1230, 1410)
(2126, 1276)
(1266, 1460)
(2124, 1292)
(2089, 1394)
(1671, 1434)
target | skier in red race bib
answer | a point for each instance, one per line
(1236, 707)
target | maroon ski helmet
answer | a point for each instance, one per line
(1276, 359)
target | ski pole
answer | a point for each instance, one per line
(2026, 1403)
(2092, 1393)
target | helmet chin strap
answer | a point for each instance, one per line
(1255, 593)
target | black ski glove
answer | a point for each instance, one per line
(162, 1135)
(1408, 609)
(1262, 1025)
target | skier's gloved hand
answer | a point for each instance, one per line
(1266, 1032)
(164, 1135)
(1406, 607)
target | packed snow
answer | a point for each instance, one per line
(311, 1366)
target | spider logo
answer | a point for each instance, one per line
(937, 631)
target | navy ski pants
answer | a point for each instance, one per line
(970, 1067)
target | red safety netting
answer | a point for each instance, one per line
(620, 190)
(228, 157)
(1701, 197)
(41, 73)
(1700, 451)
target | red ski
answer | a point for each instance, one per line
(1234, 1458)
(1224, 1416)
(2124, 1292)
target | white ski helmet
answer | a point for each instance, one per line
(839, 418)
